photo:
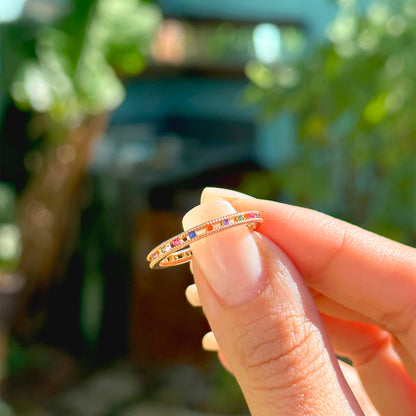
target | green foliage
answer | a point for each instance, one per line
(92, 306)
(354, 98)
(5, 409)
(226, 396)
(18, 358)
(71, 68)
(7, 203)
(9, 233)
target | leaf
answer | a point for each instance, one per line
(18, 41)
(355, 152)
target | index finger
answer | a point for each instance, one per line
(359, 269)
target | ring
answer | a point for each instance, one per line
(176, 250)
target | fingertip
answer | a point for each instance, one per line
(217, 194)
(192, 296)
(209, 342)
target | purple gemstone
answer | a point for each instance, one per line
(225, 222)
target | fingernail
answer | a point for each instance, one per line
(192, 295)
(209, 342)
(229, 259)
(217, 194)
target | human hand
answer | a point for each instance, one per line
(281, 301)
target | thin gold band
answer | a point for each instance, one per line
(176, 250)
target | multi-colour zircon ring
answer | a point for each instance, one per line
(176, 250)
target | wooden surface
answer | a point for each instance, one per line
(164, 328)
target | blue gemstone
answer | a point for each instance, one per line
(192, 234)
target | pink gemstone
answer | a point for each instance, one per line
(176, 242)
(251, 215)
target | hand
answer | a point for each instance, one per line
(284, 300)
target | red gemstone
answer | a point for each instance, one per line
(209, 227)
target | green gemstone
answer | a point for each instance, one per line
(240, 217)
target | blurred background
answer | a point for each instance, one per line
(114, 116)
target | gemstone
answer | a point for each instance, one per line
(175, 242)
(163, 249)
(246, 216)
(240, 218)
(209, 227)
(192, 234)
(154, 256)
(184, 239)
(251, 215)
(226, 222)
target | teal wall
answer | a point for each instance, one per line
(207, 98)
(315, 14)
(201, 97)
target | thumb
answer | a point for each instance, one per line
(265, 322)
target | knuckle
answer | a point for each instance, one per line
(368, 352)
(400, 322)
(281, 355)
(315, 277)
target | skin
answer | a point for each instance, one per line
(360, 294)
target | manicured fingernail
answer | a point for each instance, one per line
(229, 259)
(217, 194)
(209, 342)
(192, 295)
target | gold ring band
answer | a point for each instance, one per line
(176, 250)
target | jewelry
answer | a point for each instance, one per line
(176, 250)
